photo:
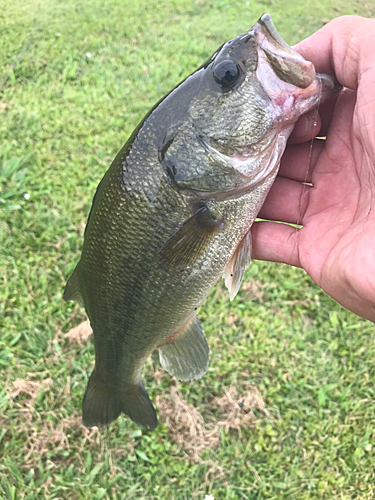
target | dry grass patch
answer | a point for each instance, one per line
(57, 436)
(192, 434)
(236, 411)
(80, 334)
(186, 425)
(31, 388)
(254, 289)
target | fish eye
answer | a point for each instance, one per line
(226, 74)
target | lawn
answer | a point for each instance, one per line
(81, 74)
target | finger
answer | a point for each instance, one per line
(342, 48)
(275, 242)
(306, 127)
(299, 160)
(286, 201)
(326, 112)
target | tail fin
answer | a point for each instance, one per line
(101, 405)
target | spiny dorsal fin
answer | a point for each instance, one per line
(186, 356)
(188, 243)
(236, 267)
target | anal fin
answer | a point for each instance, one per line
(186, 356)
(236, 267)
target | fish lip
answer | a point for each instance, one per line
(322, 88)
(266, 22)
(288, 78)
(292, 67)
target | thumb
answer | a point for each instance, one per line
(344, 47)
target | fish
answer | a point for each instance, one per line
(172, 214)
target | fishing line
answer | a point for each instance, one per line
(306, 184)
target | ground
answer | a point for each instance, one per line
(287, 407)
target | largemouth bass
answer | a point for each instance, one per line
(173, 213)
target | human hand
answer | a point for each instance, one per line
(336, 245)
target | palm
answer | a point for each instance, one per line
(336, 243)
(338, 225)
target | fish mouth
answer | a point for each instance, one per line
(322, 88)
(288, 65)
(290, 80)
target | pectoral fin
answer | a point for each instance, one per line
(186, 356)
(236, 267)
(188, 243)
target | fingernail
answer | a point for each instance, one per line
(302, 127)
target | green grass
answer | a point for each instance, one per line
(63, 117)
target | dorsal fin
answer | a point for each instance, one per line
(72, 290)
